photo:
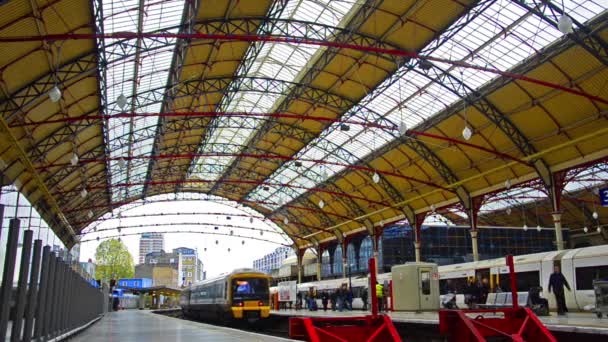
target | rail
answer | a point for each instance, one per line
(51, 299)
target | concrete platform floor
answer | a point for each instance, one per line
(136, 325)
(579, 322)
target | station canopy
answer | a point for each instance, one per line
(326, 116)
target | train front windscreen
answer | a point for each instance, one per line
(250, 289)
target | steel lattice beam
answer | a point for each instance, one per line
(584, 36)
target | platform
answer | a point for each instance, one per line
(576, 322)
(136, 325)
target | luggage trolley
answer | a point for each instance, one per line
(600, 288)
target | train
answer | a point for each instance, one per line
(580, 267)
(241, 295)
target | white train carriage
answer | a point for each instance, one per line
(580, 267)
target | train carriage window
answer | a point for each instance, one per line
(525, 281)
(586, 275)
(454, 285)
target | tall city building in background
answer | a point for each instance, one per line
(148, 243)
(273, 260)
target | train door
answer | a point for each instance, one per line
(426, 275)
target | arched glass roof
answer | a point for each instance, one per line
(326, 116)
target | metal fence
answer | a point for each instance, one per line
(50, 299)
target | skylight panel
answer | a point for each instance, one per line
(280, 61)
(501, 37)
(135, 136)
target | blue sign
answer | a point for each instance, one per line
(604, 197)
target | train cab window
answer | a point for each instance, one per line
(250, 288)
(586, 275)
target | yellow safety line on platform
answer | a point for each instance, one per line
(466, 180)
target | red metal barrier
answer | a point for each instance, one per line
(371, 328)
(343, 329)
(513, 324)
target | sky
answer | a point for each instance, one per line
(216, 259)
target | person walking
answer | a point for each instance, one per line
(380, 296)
(557, 281)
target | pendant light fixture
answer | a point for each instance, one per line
(376, 177)
(564, 24)
(84, 193)
(55, 94)
(321, 204)
(74, 159)
(467, 133)
(286, 220)
(508, 183)
(121, 101)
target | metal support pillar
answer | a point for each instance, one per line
(559, 238)
(474, 245)
(419, 219)
(300, 259)
(345, 264)
(8, 275)
(473, 213)
(319, 261)
(32, 296)
(24, 270)
(555, 191)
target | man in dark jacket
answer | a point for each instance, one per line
(557, 281)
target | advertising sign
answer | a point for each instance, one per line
(287, 291)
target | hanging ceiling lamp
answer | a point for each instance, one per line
(55, 94)
(122, 163)
(508, 183)
(321, 204)
(376, 177)
(467, 133)
(402, 128)
(508, 211)
(90, 214)
(84, 193)
(585, 229)
(286, 220)
(228, 250)
(261, 232)
(217, 242)
(595, 215)
(74, 159)
(525, 227)
(243, 242)
(251, 220)
(599, 229)
(121, 101)
(538, 228)
(564, 24)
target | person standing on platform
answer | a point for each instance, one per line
(557, 281)
(334, 299)
(349, 299)
(364, 298)
(324, 300)
(380, 296)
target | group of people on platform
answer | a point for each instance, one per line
(476, 292)
(340, 299)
